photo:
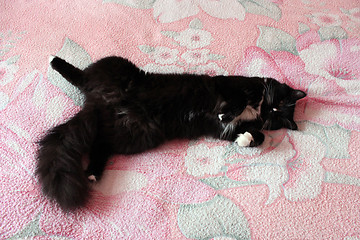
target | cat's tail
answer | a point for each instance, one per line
(59, 161)
(71, 73)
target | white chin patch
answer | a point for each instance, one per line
(220, 116)
(92, 178)
(244, 140)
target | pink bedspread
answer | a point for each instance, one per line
(298, 185)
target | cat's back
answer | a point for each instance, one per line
(183, 88)
(112, 64)
(110, 78)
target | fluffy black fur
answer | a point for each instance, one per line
(129, 111)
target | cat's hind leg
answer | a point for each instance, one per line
(99, 153)
(136, 134)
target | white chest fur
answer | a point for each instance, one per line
(250, 113)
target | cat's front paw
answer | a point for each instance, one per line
(244, 140)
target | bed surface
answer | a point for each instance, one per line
(298, 185)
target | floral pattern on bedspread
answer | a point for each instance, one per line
(298, 185)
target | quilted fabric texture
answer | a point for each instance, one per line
(298, 185)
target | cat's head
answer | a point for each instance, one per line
(277, 110)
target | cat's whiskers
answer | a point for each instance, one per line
(268, 94)
(228, 130)
(266, 124)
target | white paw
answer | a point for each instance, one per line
(244, 140)
(220, 116)
(92, 178)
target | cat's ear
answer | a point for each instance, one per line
(297, 94)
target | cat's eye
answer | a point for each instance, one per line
(275, 109)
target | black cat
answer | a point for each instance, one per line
(129, 111)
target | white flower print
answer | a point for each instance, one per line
(194, 38)
(326, 19)
(305, 172)
(7, 72)
(173, 10)
(201, 160)
(196, 57)
(354, 14)
(335, 60)
(211, 69)
(155, 68)
(4, 100)
(165, 55)
(296, 172)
